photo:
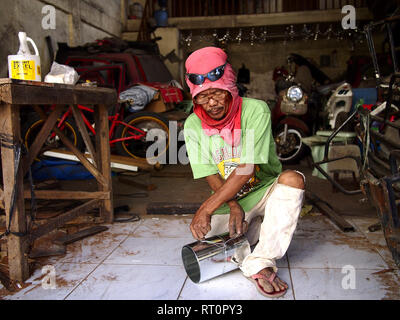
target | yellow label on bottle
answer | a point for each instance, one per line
(23, 69)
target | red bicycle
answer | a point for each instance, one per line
(128, 135)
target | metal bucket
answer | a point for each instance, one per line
(214, 256)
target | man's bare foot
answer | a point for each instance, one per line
(276, 285)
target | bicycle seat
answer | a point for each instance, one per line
(327, 88)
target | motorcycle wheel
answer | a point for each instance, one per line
(34, 124)
(145, 121)
(293, 149)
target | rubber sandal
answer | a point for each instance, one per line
(260, 289)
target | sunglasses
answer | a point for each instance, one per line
(213, 75)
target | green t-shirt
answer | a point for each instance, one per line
(209, 155)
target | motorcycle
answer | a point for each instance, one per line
(298, 113)
(291, 124)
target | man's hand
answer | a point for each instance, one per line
(237, 224)
(201, 224)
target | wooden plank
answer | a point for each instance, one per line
(115, 159)
(148, 187)
(84, 133)
(104, 159)
(270, 19)
(172, 208)
(166, 174)
(329, 212)
(31, 92)
(10, 126)
(201, 8)
(70, 156)
(1, 198)
(96, 173)
(37, 145)
(62, 219)
(186, 8)
(70, 238)
(180, 8)
(67, 195)
(53, 250)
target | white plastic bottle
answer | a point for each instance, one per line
(24, 65)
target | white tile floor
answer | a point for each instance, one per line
(142, 260)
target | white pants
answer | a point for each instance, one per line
(272, 223)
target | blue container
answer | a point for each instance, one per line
(369, 95)
(161, 17)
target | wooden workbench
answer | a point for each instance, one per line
(15, 95)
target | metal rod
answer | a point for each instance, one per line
(392, 49)
(330, 138)
(372, 51)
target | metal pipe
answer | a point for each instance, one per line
(214, 256)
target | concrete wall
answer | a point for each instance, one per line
(261, 59)
(77, 22)
(170, 41)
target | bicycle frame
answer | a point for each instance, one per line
(114, 122)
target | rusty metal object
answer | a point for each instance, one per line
(382, 196)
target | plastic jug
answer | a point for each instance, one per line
(24, 65)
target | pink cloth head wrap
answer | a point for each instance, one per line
(203, 61)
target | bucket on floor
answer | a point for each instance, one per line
(214, 256)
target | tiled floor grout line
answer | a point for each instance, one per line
(101, 262)
(180, 291)
(139, 224)
(290, 275)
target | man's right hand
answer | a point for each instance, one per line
(201, 224)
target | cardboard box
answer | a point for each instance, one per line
(158, 105)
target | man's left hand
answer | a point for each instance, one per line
(237, 224)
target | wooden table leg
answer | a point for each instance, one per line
(104, 159)
(10, 126)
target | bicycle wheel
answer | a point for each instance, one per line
(34, 124)
(151, 123)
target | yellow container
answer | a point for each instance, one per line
(24, 65)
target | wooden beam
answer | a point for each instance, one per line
(70, 238)
(327, 210)
(1, 198)
(10, 127)
(46, 129)
(115, 163)
(39, 93)
(62, 219)
(104, 159)
(172, 208)
(67, 195)
(84, 133)
(270, 19)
